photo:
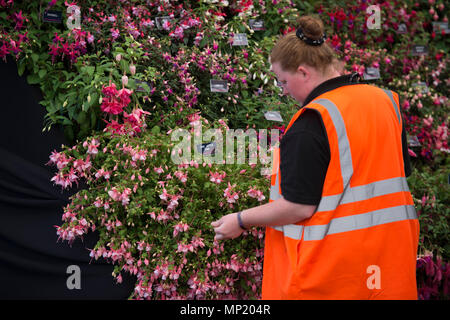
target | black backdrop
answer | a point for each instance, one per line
(33, 265)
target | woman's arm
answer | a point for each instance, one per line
(276, 213)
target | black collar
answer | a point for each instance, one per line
(332, 84)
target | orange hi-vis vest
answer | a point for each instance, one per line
(361, 243)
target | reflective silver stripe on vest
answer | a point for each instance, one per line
(275, 189)
(292, 231)
(391, 96)
(364, 192)
(345, 156)
(349, 195)
(360, 221)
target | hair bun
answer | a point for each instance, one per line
(312, 27)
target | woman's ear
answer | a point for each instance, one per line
(303, 71)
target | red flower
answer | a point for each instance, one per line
(111, 106)
(110, 91)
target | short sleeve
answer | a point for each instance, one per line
(304, 159)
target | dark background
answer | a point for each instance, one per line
(33, 264)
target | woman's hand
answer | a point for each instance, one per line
(227, 227)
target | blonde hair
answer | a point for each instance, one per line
(291, 52)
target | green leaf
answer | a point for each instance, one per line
(35, 57)
(89, 70)
(21, 68)
(42, 73)
(156, 130)
(81, 118)
(33, 79)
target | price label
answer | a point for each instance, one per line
(256, 25)
(441, 26)
(140, 88)
(218, 85)
(273, 116)
(371, 73)
(419, 50)
(422, 86)
(413, 141)
(207, 149)
(402, 29)
(52, 16)
(240, 39)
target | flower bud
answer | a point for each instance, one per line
(124, 80)
(118, 57)
(133, 69)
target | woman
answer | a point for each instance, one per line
(340, 220)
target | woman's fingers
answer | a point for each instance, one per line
(217, 223)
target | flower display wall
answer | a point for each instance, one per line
(136, 70)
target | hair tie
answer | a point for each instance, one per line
(310, 41)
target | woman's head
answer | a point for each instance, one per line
(300, 66)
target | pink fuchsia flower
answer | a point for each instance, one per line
(92, 146)
(124, 197)
(124, 80)
(90, 38)
(182, 176)
(114, 33)
(164, 196)
(158, 170)
(217, 177)
(102, 173)
(412, 153)
(163, 216)
(257, 194)
(230, 195)
(139, 155)
(180, 227)
(114, 194)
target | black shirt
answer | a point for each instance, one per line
(305, 151)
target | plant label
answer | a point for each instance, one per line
(256, 25)
(207, 149)
(413, 141)
(52, 16)
(422, 86)
(273, 116)
(240, 39)
(402, 29)
(441, 26)
(139, 87)
(371, 73)
(218, 85)
(419, 50)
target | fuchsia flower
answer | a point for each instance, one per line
(117, 196)
(114, 33)
(230, 195)
(217, 177)
(92, 146)
(254, 193)
(180, 227)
